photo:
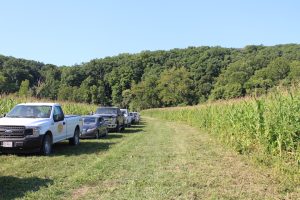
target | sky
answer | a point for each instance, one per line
(68, 32)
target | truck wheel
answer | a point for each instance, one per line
(123, 126)
(97, 136)
(118, 128)
(46, 148)
(75, 139)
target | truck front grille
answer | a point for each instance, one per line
(12, 131)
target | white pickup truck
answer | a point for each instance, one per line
(36, 127)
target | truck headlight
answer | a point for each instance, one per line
(34, 131)
(91, 129)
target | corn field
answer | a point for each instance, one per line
(8, 102)
(268, 126)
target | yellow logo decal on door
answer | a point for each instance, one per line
(60, 128)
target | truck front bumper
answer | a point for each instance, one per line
(111, 126)
(21, 144)
(88, 134)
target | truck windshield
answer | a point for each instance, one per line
(124, 111)
(26, 111)
(107, 111)
(89, 120)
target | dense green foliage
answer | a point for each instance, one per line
(267, 127)
(159, 78)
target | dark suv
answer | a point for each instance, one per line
(113, 117)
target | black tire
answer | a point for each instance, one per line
(123, 128)
(118, 128)
(46, 148)
(106, 132)
(97, 136)
(75, 139)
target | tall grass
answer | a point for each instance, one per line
(267, 127)
(8, 102)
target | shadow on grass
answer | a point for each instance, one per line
(85, 147)
(112, 136)
(14, 187)
(63, 148)
(135, 130)
(139, 125)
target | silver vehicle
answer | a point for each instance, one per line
(135, 117)
(128, 118)
(93, 127)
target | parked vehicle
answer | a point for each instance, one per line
(128, 118)
(136, 117)
(113, 117)
(37, 126)
(132, 117)
(93, 127)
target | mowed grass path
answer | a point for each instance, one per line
(153, 160)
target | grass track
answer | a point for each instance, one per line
(154, 160)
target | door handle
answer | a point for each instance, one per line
(64, 123)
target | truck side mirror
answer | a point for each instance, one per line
(58, 117)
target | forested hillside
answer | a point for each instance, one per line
(157, 78)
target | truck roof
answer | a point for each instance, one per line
(40, 104)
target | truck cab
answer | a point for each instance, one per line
(37, 126)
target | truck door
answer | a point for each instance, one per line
(60, 128)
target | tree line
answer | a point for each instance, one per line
(157, 78)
